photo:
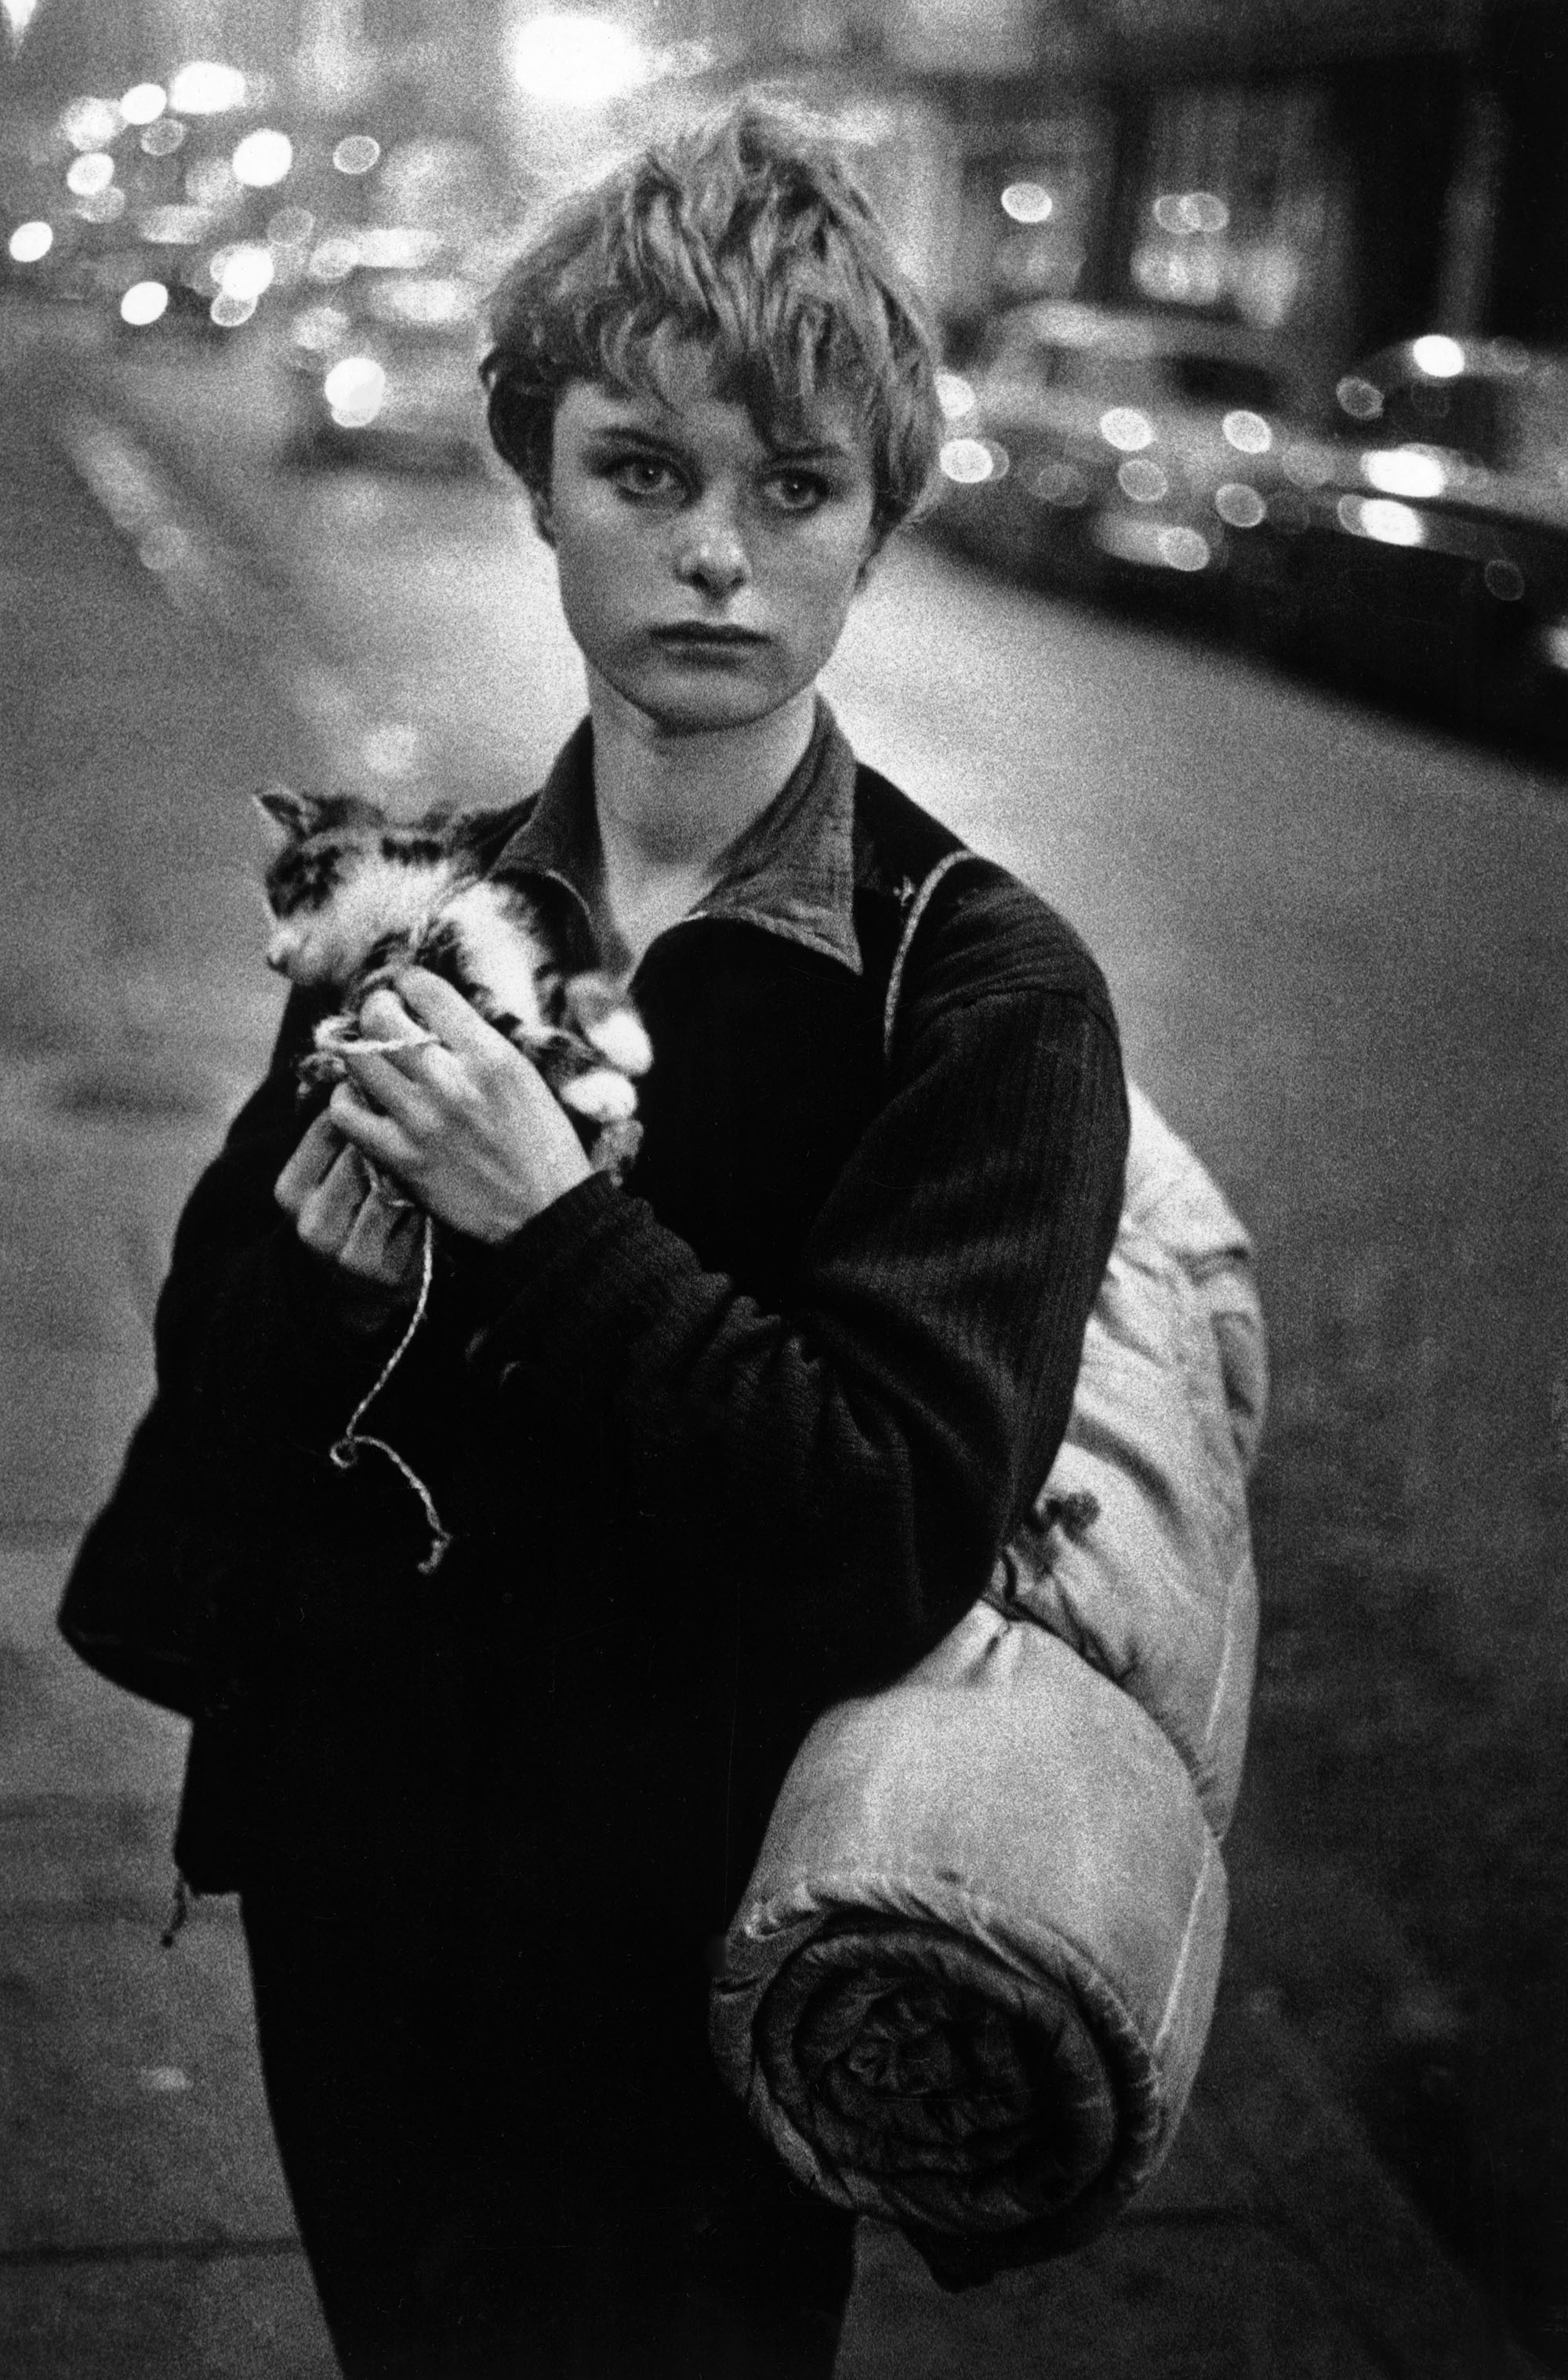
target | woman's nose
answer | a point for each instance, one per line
(712, 555)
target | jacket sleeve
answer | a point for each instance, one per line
(852, 1464)
(259, 1365)
(260, 1356)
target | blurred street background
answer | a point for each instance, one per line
(1240, 630)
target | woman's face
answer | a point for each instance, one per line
(704, 573)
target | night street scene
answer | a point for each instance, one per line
(1237, 630)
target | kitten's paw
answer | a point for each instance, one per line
(322, 1064)
(622, 1039)
(616, 1149)
(605, 1017)
(601, 1096)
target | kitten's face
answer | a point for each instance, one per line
(345, 883)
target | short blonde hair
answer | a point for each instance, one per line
(748, 237)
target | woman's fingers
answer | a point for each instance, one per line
(383, 1239)
(431, 1000)
(381, 1137)
(344, 1211)
(396, 1078)
(392, 1085)
(386, 1022)
(309, 1167)
(458, 1116)
(327, 1215)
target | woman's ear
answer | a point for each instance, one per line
(870, 557)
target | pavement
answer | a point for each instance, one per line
(144, 2230)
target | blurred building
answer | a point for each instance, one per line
(1339, 172)
(1335, 174)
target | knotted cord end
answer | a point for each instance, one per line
(344, 1452)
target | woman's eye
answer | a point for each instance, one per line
(642, 475)
(797, 492)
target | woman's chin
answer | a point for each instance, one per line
(708, 706)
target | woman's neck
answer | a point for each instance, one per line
(669, 805)
(672, 804)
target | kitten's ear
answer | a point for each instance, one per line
(297, 814)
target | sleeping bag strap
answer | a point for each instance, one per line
(920, 903)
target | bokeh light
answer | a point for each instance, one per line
(967, 461)
(1183, 212)
(570, 61)
(1379, 518)
(205, 88)
(355, 390)
(85, 177)
(1404, 471)
(1151, 545)
(161, 139)
(143, 302)
(1438, 358)
(1240, 505)
(262, 159)
(1027, 202)
(1127, 429)
(31, 242)
(1142, 480)
(1062, 485)
(246, 270)
(1360, 398)
(1248, 431)
(954, 395)
(357, 154)
(144, 103)
(90, 122)
(1182, 548)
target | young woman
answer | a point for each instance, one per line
(717, 1447)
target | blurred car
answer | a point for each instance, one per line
(1108, 451)
(384, 370)
(1431, 537)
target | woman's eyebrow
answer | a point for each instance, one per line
(827, 450)
(630, 428)
(617, 433)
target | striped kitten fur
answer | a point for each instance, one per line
(353, 895)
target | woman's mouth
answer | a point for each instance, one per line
(706, 636)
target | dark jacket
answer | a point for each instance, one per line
(715, 1449)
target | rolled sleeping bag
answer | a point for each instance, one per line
(971, 1981)
(969, 1984)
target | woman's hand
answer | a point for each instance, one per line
(463, 1122)
(351, 1220)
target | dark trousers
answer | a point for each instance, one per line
(512, 2159)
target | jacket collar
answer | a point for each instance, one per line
(792, 871)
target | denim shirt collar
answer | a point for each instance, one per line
(792, 871)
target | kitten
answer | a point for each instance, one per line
(354, 896)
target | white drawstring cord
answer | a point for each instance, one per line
(345, 1453)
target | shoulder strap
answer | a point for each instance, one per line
(916, 910)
